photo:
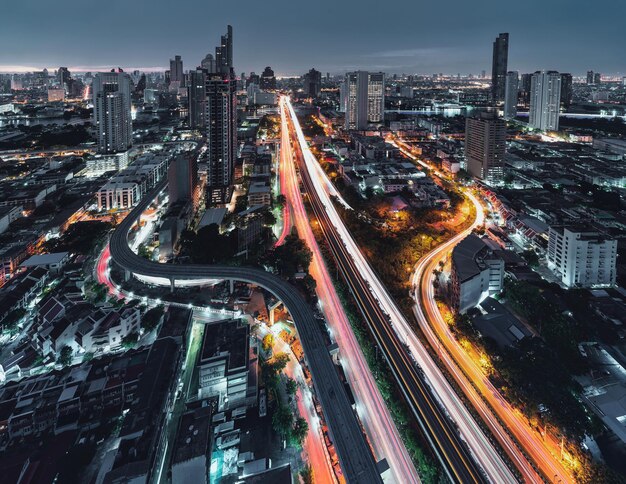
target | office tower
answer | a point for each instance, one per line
(221, 128)
(597, 78)
(342, 96)
(590, 77)
(111, 109)
(567, 91)
(176, 70)
(208, 63)
(545, 100)
(499, 68)
(485, 147)
(364, 99)
(511, 94)
(224, 53)
(63, 76)
(313, 83)
(197, 98)
(268, 81)
(182, 176)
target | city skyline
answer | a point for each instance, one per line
(414, 42)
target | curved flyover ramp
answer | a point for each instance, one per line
(355, 457)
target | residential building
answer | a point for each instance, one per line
(485, 147)
(177, 78)
(182, 177)
(567, 90)
(499, 68)
(364, 99)
(197, 98)
(221, 126)
(112, 111)
(511, 95)
(545, 100)
(582, 257)
(192, 447)
(477, 272)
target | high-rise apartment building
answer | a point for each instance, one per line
(499, 68)
(197, 98)
(511, 95)
(567, 90)
(182, 177)
(582, 257)
(364, 99)
(112, 111)
(545, 100)
(485, 147)
(590, 77)
(313, 83)
(524, 89)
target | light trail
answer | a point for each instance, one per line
(371, 408)
(482, 449)
(462, 366)
(477, 387)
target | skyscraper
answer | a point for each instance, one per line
(111, 109)
(268, 80)
(485, 147)
(524, 89)
(208, 63)
(221, 123)
(63, 76)
(224, 53)
(545, 100)
(590, 77)
(511, 95)
(567, 91)
(499, 68)
(312, 83)
(182, 176)
(221, 129)
(176, 72)
(364, 99)
(197, 98)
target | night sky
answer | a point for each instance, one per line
(412, 36)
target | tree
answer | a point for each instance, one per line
(10, 321)
(282, 421)
(130, 340)
(151, 318)
(290, 257)
(268, 342)
(291, 386)
(299, 431)
(306, 474)
(66, 356)
(268, 218)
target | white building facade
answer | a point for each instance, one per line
(582, 258)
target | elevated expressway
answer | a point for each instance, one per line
(463, 449)
(355, 456)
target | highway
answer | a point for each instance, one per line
(544, 452)
(462, 447)
(371, 408)
(355, 457)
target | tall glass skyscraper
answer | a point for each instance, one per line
(499, 68)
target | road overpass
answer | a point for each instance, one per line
(355, 456)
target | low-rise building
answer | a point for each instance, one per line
(226, 371)
(477, 272)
